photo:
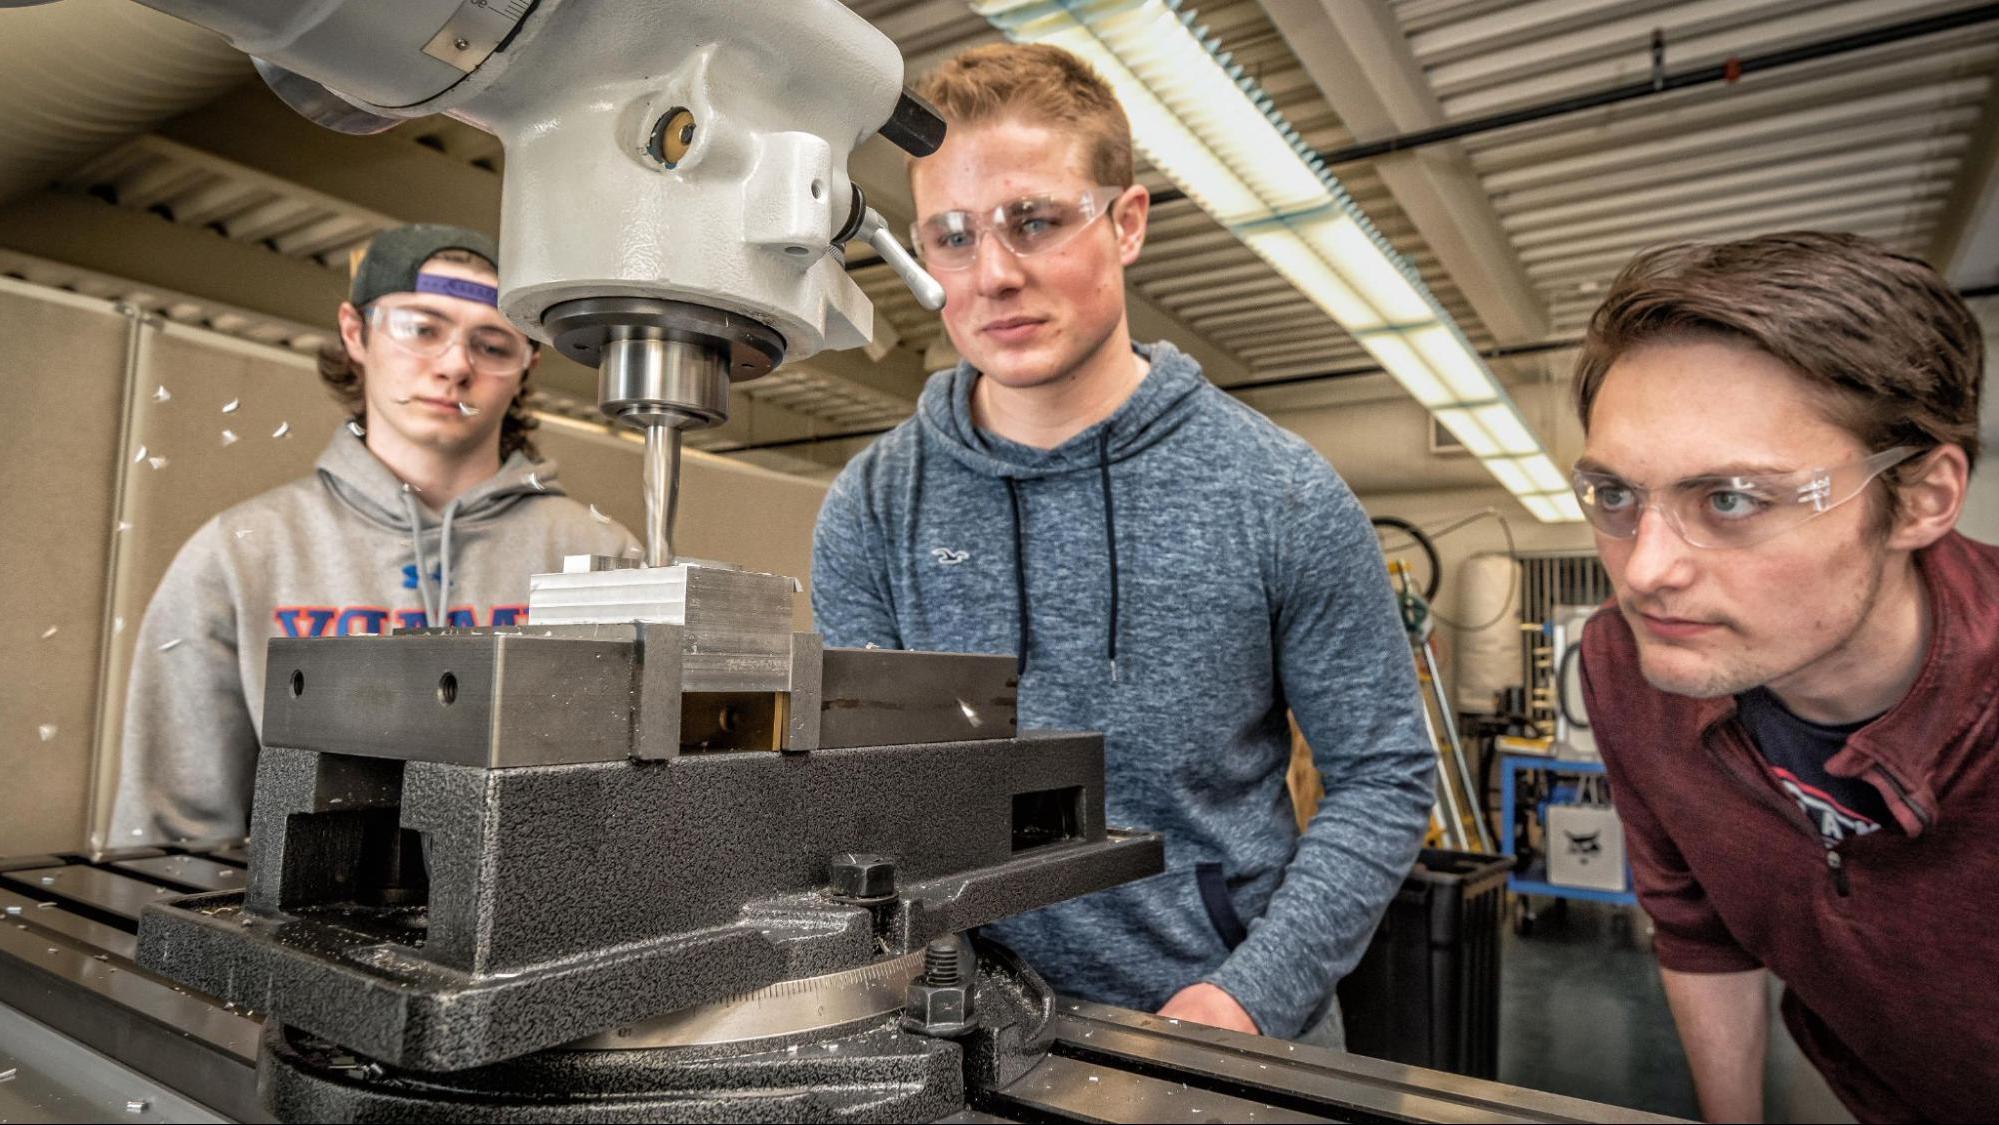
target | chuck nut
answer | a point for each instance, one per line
(942, 1010)
(860, 878)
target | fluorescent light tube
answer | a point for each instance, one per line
(1363, 263)
(1510, 474)
(1504, 424)
(1464, 424)
(1407, 367)
(1543, 473)
(1543, 507)
(1313, 277)
(1460, 370)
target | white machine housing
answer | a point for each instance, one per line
(781, 91)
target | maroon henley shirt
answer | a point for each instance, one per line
(1888, 943)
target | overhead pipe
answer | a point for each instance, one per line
(1660, 81)
(1504, 351)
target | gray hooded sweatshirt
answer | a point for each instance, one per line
(347, 550)
(1176, 577)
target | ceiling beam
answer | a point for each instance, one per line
(898, 374)
(1965, 247)
(83, 231)
(1362, 63)
(389, 173)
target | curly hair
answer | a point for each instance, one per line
(342, 377)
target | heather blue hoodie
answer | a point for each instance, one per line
(1175, 577)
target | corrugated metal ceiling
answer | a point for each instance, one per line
(1880, 142)
(1873, 142)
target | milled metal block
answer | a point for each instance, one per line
(717, 602)
(884, 697)
(549, 695)
(484, 697)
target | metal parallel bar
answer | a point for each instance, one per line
(1075, 1090)
(22, 910)
(195, 873)
(1305, 1078)
(119, 895)
(184, 1041)
(51, 1077)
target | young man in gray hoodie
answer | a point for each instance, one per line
(427, 508)
(1169, 567)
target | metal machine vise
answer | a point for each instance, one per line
(474, 848)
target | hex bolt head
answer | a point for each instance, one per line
(944, 1011)
(860, 878)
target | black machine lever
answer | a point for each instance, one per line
(915, 127)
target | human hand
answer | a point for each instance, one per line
(1209, 1004)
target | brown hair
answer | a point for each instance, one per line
(1041, 84)
(1895, 353)
(343, 377)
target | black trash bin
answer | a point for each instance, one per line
(1427, 990)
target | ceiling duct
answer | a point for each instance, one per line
(80, 76)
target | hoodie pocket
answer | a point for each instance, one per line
(1214, 888)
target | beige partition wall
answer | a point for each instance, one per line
(62, 392)
(119, 437)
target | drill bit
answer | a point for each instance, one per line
(662, 488)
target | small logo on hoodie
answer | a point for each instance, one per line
(409, 575)
(945, 556)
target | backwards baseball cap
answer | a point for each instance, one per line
(393, 263)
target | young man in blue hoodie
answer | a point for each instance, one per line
(428, 507)
(1168, 566)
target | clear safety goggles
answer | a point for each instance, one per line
(490, 350)
(1034, 224)
(1730, 511)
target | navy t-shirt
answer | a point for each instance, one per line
(1795, 751)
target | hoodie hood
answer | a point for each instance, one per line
(359, 479)
(364, 484)
(1163, 402)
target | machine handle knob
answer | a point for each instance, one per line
(915, 127)
(875, 230)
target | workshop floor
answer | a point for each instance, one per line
(1582, 1013)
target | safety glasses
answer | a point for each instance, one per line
(1031, 225)
(491, 350)
(1723, 512)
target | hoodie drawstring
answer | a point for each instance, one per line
(1110, 537)
(444, 567)
(433, 607)
(1020, 559)
(416, 548)
(1019, 575)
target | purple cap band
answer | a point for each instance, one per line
(457, 287)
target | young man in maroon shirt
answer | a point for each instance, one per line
(1796, 690)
